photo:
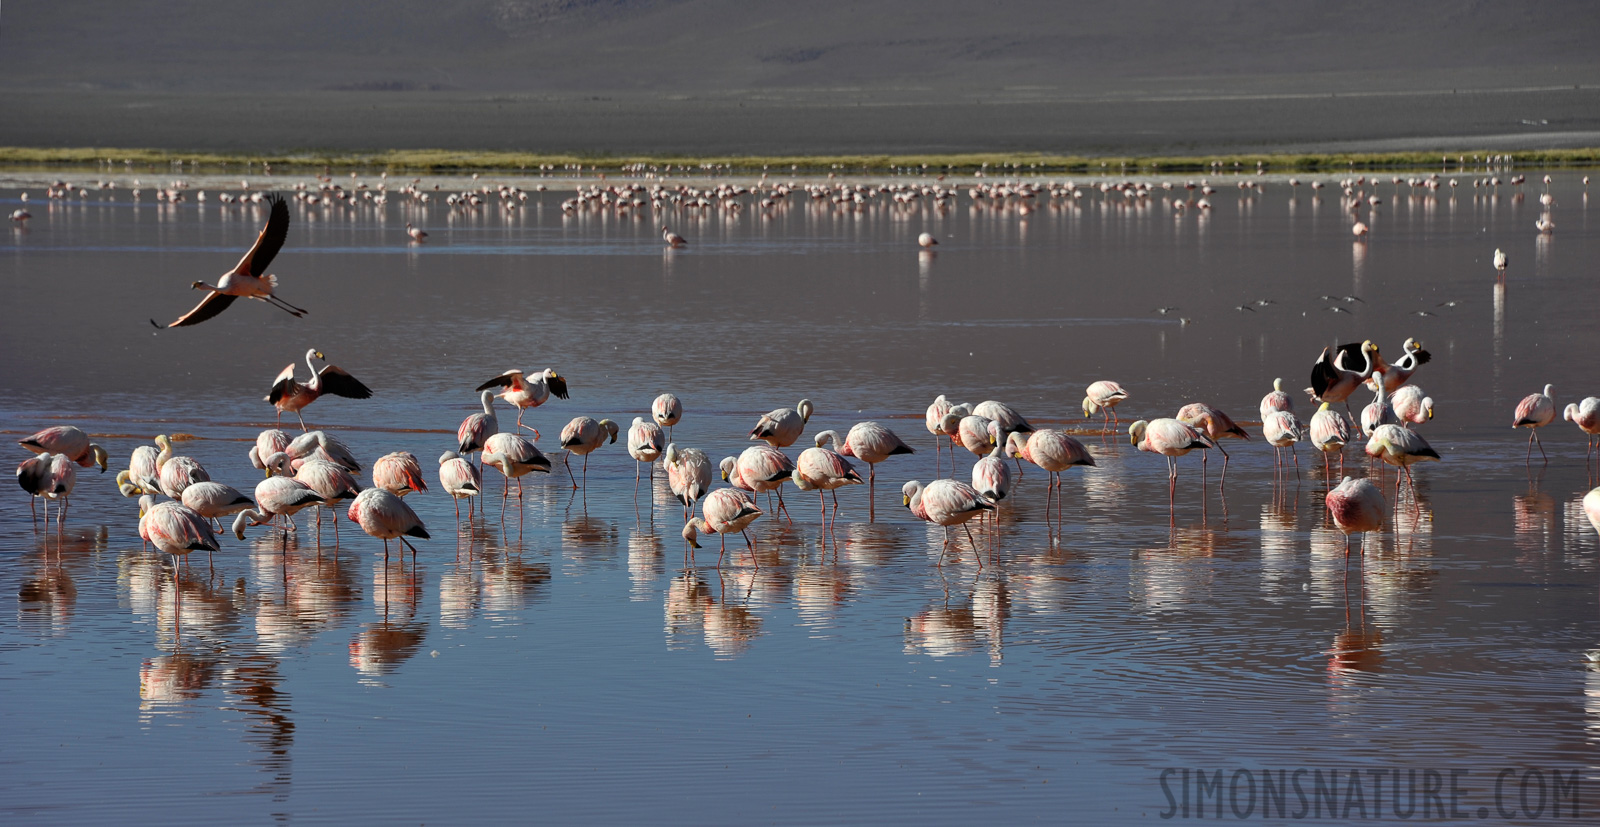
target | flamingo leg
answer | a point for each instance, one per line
(302, 419)
(723, 549)
(974, 544)
(752, 547)
(566, 460)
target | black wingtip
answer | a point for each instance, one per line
(902, 449)
(419, 531)
(154, 325)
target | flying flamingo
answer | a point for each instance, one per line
(1104, 396)
(460, 480)
(582, 436)
(666, 410)
(783, 426)
(387, 517)
(1535, 411)
(1586, 415)
(287, 394)
(645, 444)
(1171, 439)
(524, 393)
(946, 503)
(70, 442)
(248, 278)
(1357, 507)
(724, 511)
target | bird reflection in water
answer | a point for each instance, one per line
(1279, 557)
(1535, 528)
(45, 601)
(946, 630)
(1579, 539)
(1358, 647)
(1166, 579)
(254, 682)
(645, 561)
(586, 539)
(819, 591)
(724, 621)
(173, 680)
(877, 544)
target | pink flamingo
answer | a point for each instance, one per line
(1401, 448)
(645, 444)
(48, 477)
(724, 511)
(1535, 411)
(68, 441)
(1171, 439)
(1333, 381)
(290, 395)
(1411, 406)
(476, 429)
(1329, 434)
(582, 436)
(268, 442)
(415, 233)
(524, 393)
(333, 485)
(1276, 400)
(762, 468)
(667, 411)
(176, 530)
(1586, 415)
(1216, 425)
(671, 238)
(1357, 507)
(1282, 430)
(1103, 397)
(933, 419)
(213, 500)
(248, 278)
(1055, 452)
(460, 480)
(277, 496)
(688, 475)
(1591, 507)
(946, 503)
(871, 443)
(387, 517)
(783, 426)
(819, 469)
(398, 473)
(514, 456)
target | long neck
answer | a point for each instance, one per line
(1367, 371)
(310, 365)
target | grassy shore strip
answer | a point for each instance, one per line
(426, 160)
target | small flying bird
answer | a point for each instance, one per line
(292, 396)
(249, 278)
(1264, 302)
(1341, 310)
(1164, 310)
(1351, 299)
(1423, 313)
(1243, 307)
(1452, 304)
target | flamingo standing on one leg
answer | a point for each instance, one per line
(645, 444)
(667, 411)
(1282, 430)
(1276, 400)
(1329, 433)
(934, 420)
(1535, 411)
(1357, 507)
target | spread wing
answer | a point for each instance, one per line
(335, 381)
(1348, 357)
(1422, 358)
(558, 386)
(1322, 374)
(504, 380)
(208, 307)
(269, 242)
(283, 385)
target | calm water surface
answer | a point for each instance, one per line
(564, 663)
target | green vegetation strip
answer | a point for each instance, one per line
(441, 161)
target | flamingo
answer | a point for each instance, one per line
(1359, 230)
(176, 530)
(1357, 507)
(582, 436)
(1005, 415)
(525, 393)
(671, 238)
(1214, 424)
(476, 429)
(142, 470)
(783, 426)
(50, 477)
(1378, 412)
(946, 503)
(1171, 439)
(1591, 507)
(460, 480)
(1500, 262)
(178, 473)
(973, 432)
(332, 483)
(1329, 434)
(1411, 406)
(248, 278)
(762, 468)
(1586, 415)
(292, 396)
(515, 456)
(387, 517)
(871, 443)
(318, 445)
(724, 511)
(1276, 400)
(1055, 452)
(268, 442)
(1331, 381)
(666, 410)
(1104, 396)
(398, 473)
(645, 444)
(934, 420)
(1399, 372)
(1535, 411)
(1282, 430)
(415, 233)
(688, 475)
(213, 500)
(819, 469)
(1401, 448)
(70, 442)
(277, 496)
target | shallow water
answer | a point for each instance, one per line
(564, 661)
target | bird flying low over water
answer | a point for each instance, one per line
(249, 278)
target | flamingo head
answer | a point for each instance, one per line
(804, 409)
(909, 492)
(100, 457)
(1089, 408)
(1136, 431)
(727, 466)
